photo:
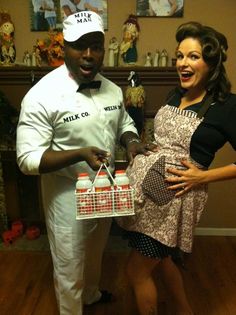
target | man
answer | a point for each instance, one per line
(50, 14)
(39, 22)
(67, 127)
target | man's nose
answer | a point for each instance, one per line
(87, 52)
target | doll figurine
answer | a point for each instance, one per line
(134, 100)
(7, 46)
(113, 49)
(128, 48)
(148, 62)
(163, 60)
(156, 58)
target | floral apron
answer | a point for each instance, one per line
(171, 223)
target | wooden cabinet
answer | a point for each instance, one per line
(16, 81)
(22, 193)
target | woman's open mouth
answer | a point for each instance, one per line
(185, 76)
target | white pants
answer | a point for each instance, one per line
(76, 246)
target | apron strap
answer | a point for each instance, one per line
(207, 101)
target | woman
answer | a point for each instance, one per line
(50, 14)
(196, 121)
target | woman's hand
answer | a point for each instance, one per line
(185, 179)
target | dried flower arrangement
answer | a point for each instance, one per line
(51, 49)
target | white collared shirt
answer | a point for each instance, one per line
(54, 115)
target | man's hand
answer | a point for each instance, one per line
(134, 148)
(55, 160)
(94, 156)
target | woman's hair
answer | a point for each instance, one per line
(214, 47)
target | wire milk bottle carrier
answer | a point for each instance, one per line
(105, 198)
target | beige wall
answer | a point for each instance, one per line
(158, 33)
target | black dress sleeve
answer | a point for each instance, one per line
(229, 125)
(217, 128)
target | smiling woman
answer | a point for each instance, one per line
(197, 119)
(192, 69)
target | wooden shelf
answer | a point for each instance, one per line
(149, 75)
(17, 80)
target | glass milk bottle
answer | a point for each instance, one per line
(103, 194)
(83, 187)
(122, 192)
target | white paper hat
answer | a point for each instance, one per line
(81, 23)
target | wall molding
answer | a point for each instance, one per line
(215, 231)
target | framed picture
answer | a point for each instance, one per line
(71, 6)
(160, 8)
(45, 15)
(48, 15)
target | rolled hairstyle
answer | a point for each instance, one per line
(214, 47)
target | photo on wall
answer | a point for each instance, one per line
(48, 15)
(160, 8)
(45, 15)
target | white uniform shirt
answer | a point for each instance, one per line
(54, 115)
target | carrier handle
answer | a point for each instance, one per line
(109, 173)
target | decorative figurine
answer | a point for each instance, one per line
(113, 49)
(148, 62)
(7, 46)
(134, 100)
(38, 57)
(24, 57)
(33, 59)
(128, 48)
(156, 59)
(27, 58)
(163, 61)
